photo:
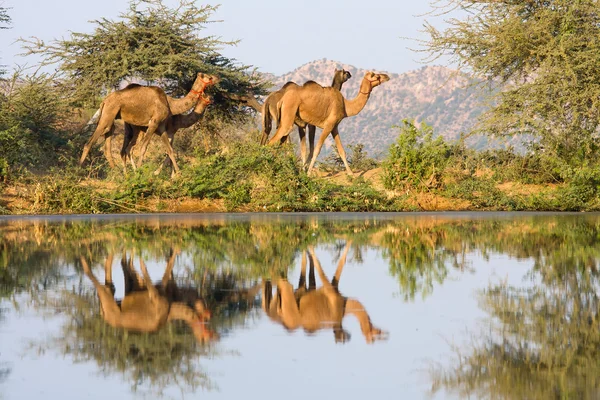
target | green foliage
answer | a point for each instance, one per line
(151, 42)
(356, 156)
(416, 158)
(581, 190)
(31, 133)
(271, 178)
(545, 55)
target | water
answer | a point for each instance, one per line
(446, 305)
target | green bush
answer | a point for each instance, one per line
(31, 114)
(416, 159)
(581, 189)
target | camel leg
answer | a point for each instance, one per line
(302, 280)
(153, 126)
(302, 134)
(108, 305)
(133, 282)
(131, 145)
(288, 307)
(286, 125)
(311, 143)
(152, 291)
(105, 125)
(129, 140)
(312, 282)
(341, 151)
(170, 153)
(108, 147)
(168, 275)
(338, 272)
(167, 158)
(322, 276)
(108, 282)
(267, 295)
(326, 131)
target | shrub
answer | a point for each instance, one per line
(416, 158)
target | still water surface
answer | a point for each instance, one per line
(300, 306)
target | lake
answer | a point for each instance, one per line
(411, 306)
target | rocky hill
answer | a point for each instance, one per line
(434, 94)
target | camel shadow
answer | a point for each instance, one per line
(147, 307)
(313, 308)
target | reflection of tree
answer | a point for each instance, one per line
(160, 359)
(170, 356)
(545, 340)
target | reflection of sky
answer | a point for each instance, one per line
(272, 361)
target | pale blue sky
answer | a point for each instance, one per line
(277, 35)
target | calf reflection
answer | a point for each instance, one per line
(314, 309)
(146, 307)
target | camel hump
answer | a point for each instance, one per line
(312, 84)
(288, 84)
(131, 85)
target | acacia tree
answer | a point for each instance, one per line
(151, 43)
(544, 56)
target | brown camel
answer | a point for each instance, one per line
(247, 100)
(175, 123)
(314, 309)
(144, 308)
(271, 112)
(143, 106)
(325, 108)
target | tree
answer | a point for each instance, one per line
(545, 57)
(151, 43)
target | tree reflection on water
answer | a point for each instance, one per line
(540, 341)
(544, 335)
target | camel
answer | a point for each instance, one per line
(144, 308)
(271, 112)
(175, 123)
(314, 309)
(247, 100)
(147, 106)
(325, 108)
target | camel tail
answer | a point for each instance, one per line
(94, 120)
(96, 117)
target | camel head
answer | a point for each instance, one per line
(206, 99)
(203, 81)
(374, 79)
(201, 310)
(342, 74)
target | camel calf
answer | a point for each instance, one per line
(174, 124)
(314, 309)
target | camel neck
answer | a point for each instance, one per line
(354, 307)
(179, 106)
(181, 312)
(356, 105)
(337, 83)
(187, 120)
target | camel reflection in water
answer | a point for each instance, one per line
(314, 309)
(147, 307)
